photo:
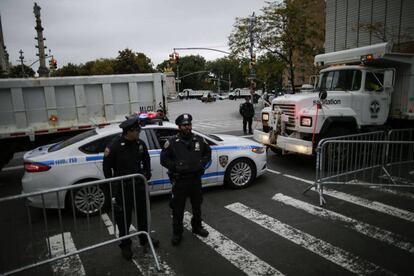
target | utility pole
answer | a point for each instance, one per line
(21, 57)
(229, 83)
(43, 71)
(252, 21)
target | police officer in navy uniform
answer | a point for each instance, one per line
(186, 156)
(247, 111)
(127, 154)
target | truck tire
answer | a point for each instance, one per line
(266, 129)
(275, 150)
(240, 173)
(7, 153)
(88, 201)
(231, 97)
(335, 157)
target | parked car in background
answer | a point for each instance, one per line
(208, 96)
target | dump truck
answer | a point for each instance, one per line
(362, 89)
(38, 111)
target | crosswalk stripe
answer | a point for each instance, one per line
(393, 192)
(373, 205)
(273, 171)
(68, 266)
(331, 253)
(234, 253)
(144, 262)
(361, 227)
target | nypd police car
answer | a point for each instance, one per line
(235, 162)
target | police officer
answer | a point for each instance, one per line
(247, 111)
(186, 156)
(127, 154)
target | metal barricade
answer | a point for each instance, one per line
(30, 234)
(368, 159)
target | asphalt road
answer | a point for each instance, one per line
(269, 228)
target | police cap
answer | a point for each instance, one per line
(184, 119)
(130, 123)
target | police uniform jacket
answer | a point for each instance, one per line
(125, 157)
(186, 156)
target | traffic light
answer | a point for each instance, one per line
(253, 59)
(52, 63)
(172, 58)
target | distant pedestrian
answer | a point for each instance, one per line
(186, 156)
(247, 111)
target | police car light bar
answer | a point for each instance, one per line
(355, 55)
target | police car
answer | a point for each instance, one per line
(235, 161)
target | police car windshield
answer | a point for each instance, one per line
(340, 80)
(72, 140)
(211, 136)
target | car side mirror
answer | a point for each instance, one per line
(323, 94)
(388, 78)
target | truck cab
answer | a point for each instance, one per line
(354, 93)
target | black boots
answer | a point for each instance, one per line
(144, 241)
(201, 232)
(176, 239)
(126, 252)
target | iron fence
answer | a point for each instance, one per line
(368, 159)
(28, 241)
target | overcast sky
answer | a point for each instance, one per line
(78, 31)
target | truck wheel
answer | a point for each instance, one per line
(335, 157)
(276, 150)
(240, 173)
(231, 97)
(266, 129)
(90, 200)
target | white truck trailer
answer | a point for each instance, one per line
(362, 89)
(37, 111)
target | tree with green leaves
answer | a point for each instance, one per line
(225, 67)
(17, 72)
(129, 62)
(283, 30)
(67, 70)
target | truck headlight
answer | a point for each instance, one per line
(265, 117)
(306, 121)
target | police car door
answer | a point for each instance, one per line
(160, 136)
(211, 174)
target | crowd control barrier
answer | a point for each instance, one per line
(369, 159)
(28, 239)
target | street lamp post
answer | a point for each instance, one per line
(21, 57)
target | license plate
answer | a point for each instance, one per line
(285, 118)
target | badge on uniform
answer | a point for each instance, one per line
(197, 146)
(166, 144)
(140, 148)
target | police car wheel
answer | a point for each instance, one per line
(240, 173)
(88, 200)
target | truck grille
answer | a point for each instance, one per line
(287, 109)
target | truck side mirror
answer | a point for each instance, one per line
(388, 78)
(323, 94)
